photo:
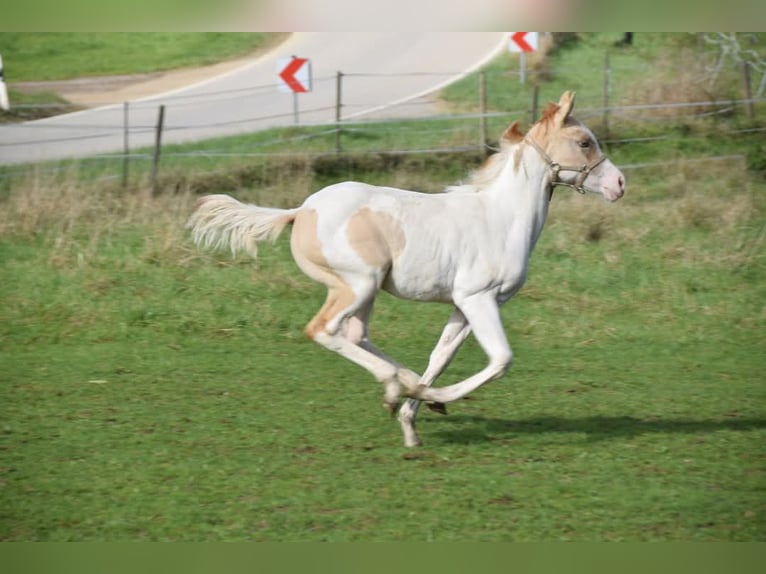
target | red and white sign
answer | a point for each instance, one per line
(524, 41)
(294, 74)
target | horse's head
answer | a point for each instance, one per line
(571, 151)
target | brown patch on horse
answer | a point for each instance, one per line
(304, 240)
(547, 121)
(549, 112)
(512, 134)
(554, 117)
(338, 299)
(376, 237)
(307, 251)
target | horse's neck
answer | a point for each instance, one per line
(520, 195)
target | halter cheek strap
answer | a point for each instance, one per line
(555, 167)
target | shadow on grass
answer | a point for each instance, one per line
(472, 429)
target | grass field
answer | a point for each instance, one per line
(41, 57)
(62, 55)
(90, 15)
(153, 392)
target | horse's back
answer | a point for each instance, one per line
(345, 198)
(399, 237)
(345, 230)
(371, 219)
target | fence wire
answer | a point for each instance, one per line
(419, 132)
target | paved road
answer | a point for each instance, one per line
(379, 69)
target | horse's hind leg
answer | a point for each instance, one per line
(326, 328)
(356, 330)
(350, 294)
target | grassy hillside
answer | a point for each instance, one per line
(66, 55)
(91, 15)
(153, 392)
(54, 56)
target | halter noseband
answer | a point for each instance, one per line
(583, 171)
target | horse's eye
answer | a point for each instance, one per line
(584, 144)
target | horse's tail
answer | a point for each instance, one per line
(220, 221)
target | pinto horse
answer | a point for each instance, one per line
(469, 247)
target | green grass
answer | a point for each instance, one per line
(152, 392)
(659, 68)
(90, 15)
(62, 55)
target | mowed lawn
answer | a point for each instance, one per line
(152, 392)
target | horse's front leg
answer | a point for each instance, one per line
(454, 333)
(482, 312)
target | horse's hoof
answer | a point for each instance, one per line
(440, 408)
(392, 408)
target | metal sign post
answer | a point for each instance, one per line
(522, 43)
(523, 67)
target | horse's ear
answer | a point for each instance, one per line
(566, 103)
(512, 134)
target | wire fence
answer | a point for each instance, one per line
(343, 119)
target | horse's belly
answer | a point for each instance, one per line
(430, 281)
(419, 284)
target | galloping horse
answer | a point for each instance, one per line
(469, 246)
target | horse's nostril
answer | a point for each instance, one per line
(621, 182)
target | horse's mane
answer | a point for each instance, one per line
(510, 143)
(483, 177)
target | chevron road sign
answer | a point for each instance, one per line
(294, 74)
(523, 41)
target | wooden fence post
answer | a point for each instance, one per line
(605, 94)
(748, 90)
(157, 148)
(483, 137)
(338, 106)
(535, 103)
(125, 143)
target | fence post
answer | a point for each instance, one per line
(535, 102)
(523, 68)
(125, 143)
(605, 94)
(748, 89)
(157, 147)
(338, 105)
(483, 138)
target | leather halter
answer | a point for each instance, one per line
(555, 167)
